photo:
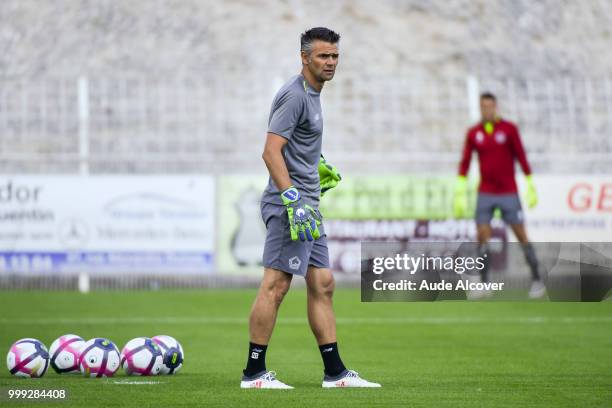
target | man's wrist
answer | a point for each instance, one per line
(290, 195)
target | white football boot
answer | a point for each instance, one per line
(266, 380)
(349, 379)
(480, 294)
(537, 289)
(477, 294)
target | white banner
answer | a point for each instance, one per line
(110, 223)
(571, 208)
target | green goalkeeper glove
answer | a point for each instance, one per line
(328, 176)
(531, 196)
(460, 201)
(303, 219)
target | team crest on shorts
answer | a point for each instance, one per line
(294, 263)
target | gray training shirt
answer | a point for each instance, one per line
(296, 115)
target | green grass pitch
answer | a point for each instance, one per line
(438, 354)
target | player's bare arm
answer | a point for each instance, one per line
(275, 162)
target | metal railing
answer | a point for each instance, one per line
(128, 124)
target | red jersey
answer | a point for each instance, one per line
(496, 154)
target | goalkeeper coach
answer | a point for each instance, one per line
(296, 243)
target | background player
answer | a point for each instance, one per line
(296, 242)
(498, 144)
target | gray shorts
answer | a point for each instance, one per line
(509, 204)
(281, 253)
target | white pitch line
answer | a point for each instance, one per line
(300, 320)
(136, 382)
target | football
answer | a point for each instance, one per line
(64, 354)
(141, 356)
(99, 357)
(172, 353)
(27, 358)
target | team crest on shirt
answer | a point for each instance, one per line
(500, 137)
(479, 137)
(317, 117)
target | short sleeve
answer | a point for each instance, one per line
(285, 115)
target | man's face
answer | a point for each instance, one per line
(488, 109)
(322, 60)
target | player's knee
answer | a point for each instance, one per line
(484, 233)
(325, 286)
(522, 238)
(281, 290)
(277, 289)
(328, 287)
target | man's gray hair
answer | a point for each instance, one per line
(317, 33)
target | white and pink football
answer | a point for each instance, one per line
(173, 354)
(28, 358)
(99, 358)
(64, 353)
(141, 356)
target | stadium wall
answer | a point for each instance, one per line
(195, 230)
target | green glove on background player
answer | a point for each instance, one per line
(303, 219)
(460, 201)
(531, 196)
(328, 175)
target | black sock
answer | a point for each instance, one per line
(256, 362)
(532, 260)
(331, 359)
